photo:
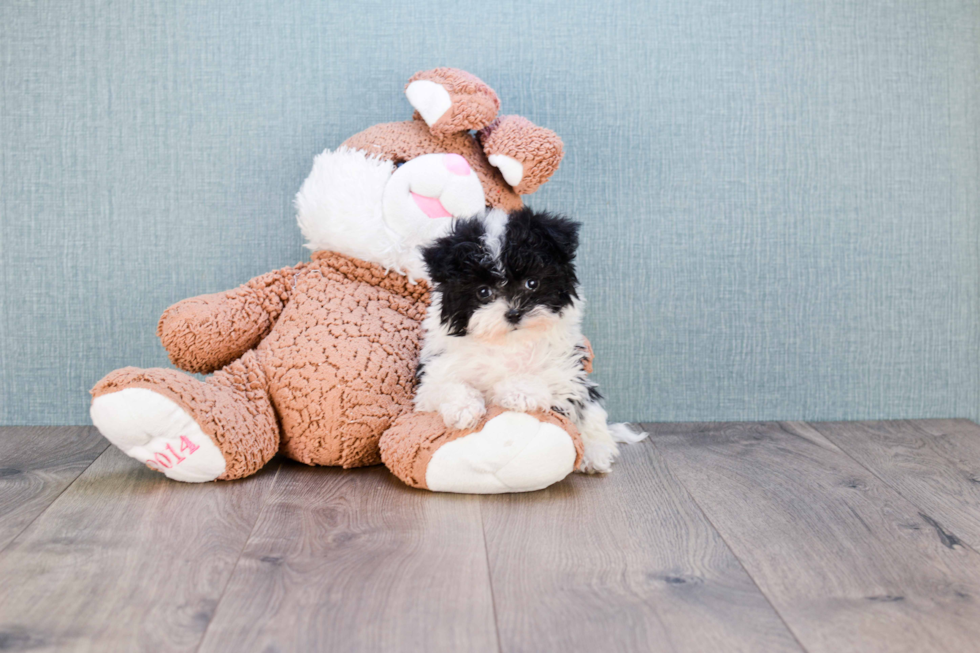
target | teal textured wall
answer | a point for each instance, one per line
(781, 199)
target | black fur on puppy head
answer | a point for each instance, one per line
(497, 272)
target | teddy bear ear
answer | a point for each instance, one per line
(525, 154)
(451, 100)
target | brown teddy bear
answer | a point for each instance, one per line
(317, 361)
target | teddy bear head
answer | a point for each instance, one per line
(395, 186)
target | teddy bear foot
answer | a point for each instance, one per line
(223, 428)
(512, 452)
(507, 451)
(155, 431)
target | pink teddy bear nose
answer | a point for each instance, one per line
(456, 164)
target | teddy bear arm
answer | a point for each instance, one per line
(203, 334)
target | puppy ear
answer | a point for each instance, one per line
(526, 155)
(542, 229)
(438, 261)
(451, 100)
(564, 233)
(451, 256)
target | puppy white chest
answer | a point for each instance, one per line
(483, 365)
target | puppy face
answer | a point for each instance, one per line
(498, 273)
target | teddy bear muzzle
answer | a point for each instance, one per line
(428, 191)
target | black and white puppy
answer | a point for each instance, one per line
(504, 328)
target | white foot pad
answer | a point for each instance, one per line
(514, 452)
(154, 430)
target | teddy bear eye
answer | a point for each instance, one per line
(531, 284)
(484, 293)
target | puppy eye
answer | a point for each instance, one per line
(484, 293)
(531, 284)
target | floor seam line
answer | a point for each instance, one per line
(48, 507)
(920, 509)
(234, 568)
(727, 545)
(486, 557)
(654, 603)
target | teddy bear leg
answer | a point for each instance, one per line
(224, 428)
(507, 451)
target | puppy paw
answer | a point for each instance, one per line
(460, 405)
(462, 414)
(522, 395)
(598, 457)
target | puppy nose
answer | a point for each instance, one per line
(456, 164)
(513, 315)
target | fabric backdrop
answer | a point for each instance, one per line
(781, 199)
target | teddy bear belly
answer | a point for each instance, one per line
(341, 366)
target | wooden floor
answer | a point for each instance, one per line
(707, 537)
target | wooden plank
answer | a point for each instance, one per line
(126, 560)
(624, 562)
(355, 561)
(935, 464)
(37, 463)
(849, 563)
